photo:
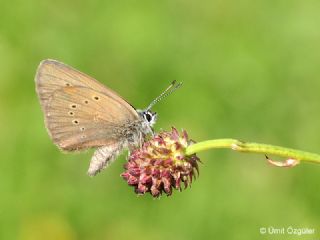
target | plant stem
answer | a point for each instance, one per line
(252, 147)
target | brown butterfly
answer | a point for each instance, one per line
(81, 113)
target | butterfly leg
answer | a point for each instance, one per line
(152, 132)
(141, 140)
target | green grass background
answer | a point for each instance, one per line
(250, 69)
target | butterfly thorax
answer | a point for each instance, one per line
(134, 133)
(130, 136)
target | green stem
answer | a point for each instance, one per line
(251, 147)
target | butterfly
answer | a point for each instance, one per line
(81, 113)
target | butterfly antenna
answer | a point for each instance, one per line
(172, 87)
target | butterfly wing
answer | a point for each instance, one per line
(79, 111)
(53, 75)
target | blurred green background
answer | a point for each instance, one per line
(250, 71)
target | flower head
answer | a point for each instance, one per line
(161, 164)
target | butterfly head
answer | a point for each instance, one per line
(148, 116)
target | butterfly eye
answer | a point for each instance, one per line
(148, 117)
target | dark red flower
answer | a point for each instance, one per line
(161, 164)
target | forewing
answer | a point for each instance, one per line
(79, 111)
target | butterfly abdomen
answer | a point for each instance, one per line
(103, 157)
